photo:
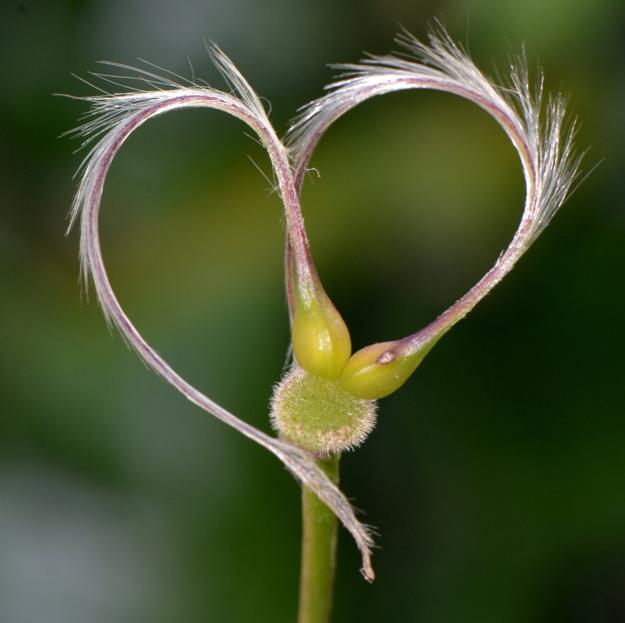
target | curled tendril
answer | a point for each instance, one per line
(536, 129)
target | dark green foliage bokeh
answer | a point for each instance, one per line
(495, 477)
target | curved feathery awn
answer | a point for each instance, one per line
(537, 129)
(114, 117)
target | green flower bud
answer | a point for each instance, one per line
(321, 342)
(318, 415)
(377, 371)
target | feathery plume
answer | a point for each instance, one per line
(537, 128)
(112, 118)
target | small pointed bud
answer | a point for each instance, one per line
(378, 370)
(321, 342)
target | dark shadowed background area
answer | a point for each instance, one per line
(495, 477)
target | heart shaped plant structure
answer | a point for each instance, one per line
(326, 402)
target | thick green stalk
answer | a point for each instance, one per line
(319, 528)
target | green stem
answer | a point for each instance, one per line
(319, 528)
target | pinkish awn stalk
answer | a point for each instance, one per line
(326, 402)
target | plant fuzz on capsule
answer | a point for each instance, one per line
(318, 415)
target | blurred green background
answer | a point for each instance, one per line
(496, 477)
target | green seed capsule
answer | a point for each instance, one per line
(321, 342)
(375, 372)
(318, 415)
